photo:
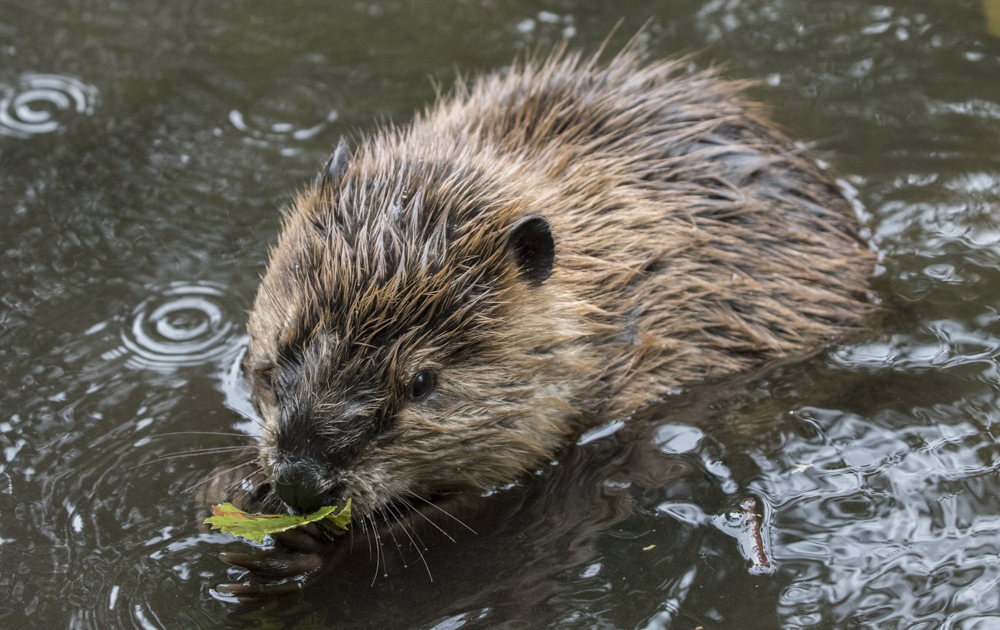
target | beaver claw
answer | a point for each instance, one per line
(300, 558)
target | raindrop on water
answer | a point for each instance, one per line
(183, 326)
(26, 109)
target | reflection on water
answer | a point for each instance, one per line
(551, 24)
(876, 465)
(236, 390)
(180, 327)
(25, 109)
(259, 132)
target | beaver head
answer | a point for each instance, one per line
(404, 340)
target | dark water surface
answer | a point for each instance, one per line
(145, 148)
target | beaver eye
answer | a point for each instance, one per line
(422, 384)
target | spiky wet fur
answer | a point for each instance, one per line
(692, 242)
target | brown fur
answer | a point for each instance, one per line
(692, 242)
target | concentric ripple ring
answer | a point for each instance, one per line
(19, 115)
(184, 326)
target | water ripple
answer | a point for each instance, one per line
(184, 326)
(20, 112)
(260, 132)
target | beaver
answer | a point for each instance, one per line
(542, 249)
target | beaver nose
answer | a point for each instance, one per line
(301, 499)
(305, 500)
(301, 487)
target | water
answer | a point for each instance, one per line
(145, 149)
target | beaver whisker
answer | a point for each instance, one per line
(379, 550)
(207, 449)
(368, 536)
(443, 511)
(402, 515)
(398, 506)
(234, 434)
(412, 542)
(350, 531)
(368, 519)
(193, 453)
(392, 534)
(223, 471)
(422, 515)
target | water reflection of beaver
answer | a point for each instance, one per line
(543, 249)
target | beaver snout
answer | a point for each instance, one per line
(304, 487)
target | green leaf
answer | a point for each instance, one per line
(229, 519)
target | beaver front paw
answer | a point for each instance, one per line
(301, 557)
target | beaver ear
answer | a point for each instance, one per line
(335, 168)
(530, 241)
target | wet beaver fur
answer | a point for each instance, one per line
(545, 248)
